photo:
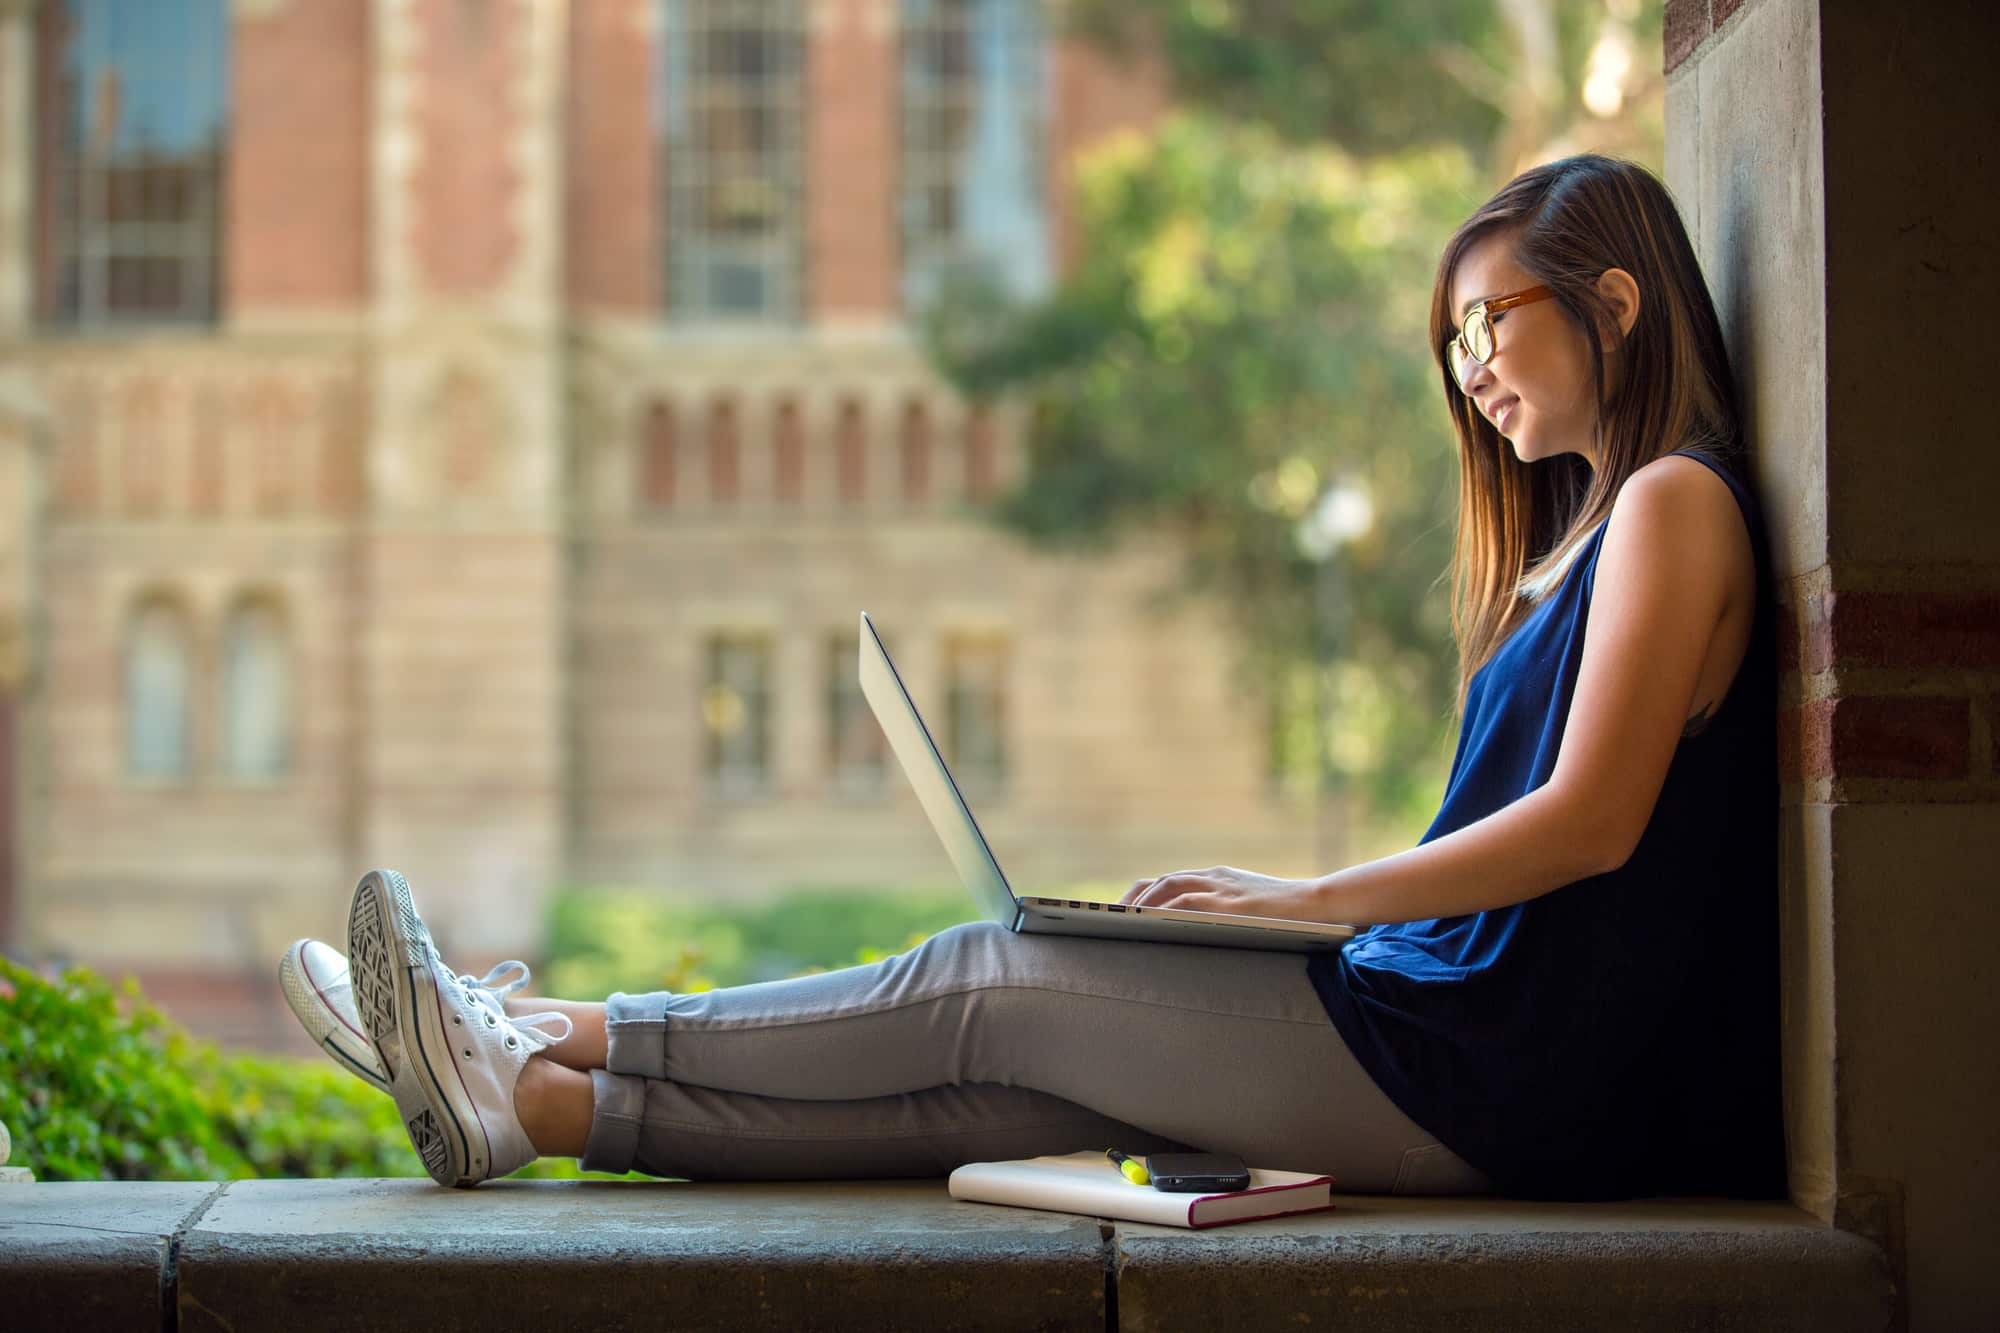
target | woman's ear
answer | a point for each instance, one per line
(1620, 294)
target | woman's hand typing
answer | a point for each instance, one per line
(1226, 889)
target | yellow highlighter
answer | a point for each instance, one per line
(1130, 1167)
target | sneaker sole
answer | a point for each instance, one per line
(396, 994)
(345, 1046)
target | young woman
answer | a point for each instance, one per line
(1568, 988)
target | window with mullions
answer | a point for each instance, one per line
(159, 670)
(731, 110)
(976, 709)
(974, 139)
(256, 693)
(857, 751)
(736, 713)
(136, 102)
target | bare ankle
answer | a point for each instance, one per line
(553, 1108)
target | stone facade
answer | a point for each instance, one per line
(501, 501)
(1833, 163)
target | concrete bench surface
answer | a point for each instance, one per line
(299, 1255)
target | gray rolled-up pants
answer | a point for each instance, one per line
(984, 1045)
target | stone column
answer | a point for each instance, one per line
(464, 752)
(22, 437)
(17, 165)
(1835, 165)
(23, 442)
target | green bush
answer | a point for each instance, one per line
(600, 940)
(97, 1084)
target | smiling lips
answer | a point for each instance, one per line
(1501, 410)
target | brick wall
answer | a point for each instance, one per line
(1891, 692)
(1689, 23)
(470, 72)
(852, 249)
(295, 220)
(615, 230)
(1097, 94)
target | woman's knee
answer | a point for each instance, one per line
(983, 955)
(959, 951)
(969, 935)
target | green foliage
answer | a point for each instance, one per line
(1362, 73)
(97, 1084)
(1248, 328)
(602, 941)
(1501, 82)
(289, 1117)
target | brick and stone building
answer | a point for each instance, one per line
(460, 435)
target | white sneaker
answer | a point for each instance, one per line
(452, 1053)
(316, 983)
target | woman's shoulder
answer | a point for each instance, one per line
(1681, 489)
(1682, 510)
(1686, 469)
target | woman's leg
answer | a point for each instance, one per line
(918, 1134)
(584, 1047)
(981, 1032)
(924, 1133)
(554, 1104)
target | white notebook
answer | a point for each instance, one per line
(1087, 1182)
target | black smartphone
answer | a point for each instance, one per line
(1197, 1172)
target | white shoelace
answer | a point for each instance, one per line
(536, 1037)
(491, 995)
(489, 982)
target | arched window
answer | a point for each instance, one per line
(158, 669)
(256, 692)
(850, 452)
(916, 452)
(725, 465)
(791, 453)
(659, 443)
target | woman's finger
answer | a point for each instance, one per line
(1165, 890)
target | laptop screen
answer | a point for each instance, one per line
(923, 763)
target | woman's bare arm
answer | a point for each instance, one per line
(1521, 851)
(1673, 551)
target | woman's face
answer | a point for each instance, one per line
(1536, 387)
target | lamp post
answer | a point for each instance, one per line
(1343, 513)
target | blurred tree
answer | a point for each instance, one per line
(1512, 82)
(1244, 333)
(1248, 327)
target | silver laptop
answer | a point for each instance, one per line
(966, 845)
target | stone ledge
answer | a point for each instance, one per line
(307, 1254)
(1394, 1263)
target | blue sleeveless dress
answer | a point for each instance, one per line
(1618, 1036)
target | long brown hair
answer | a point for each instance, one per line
(1520, 524)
